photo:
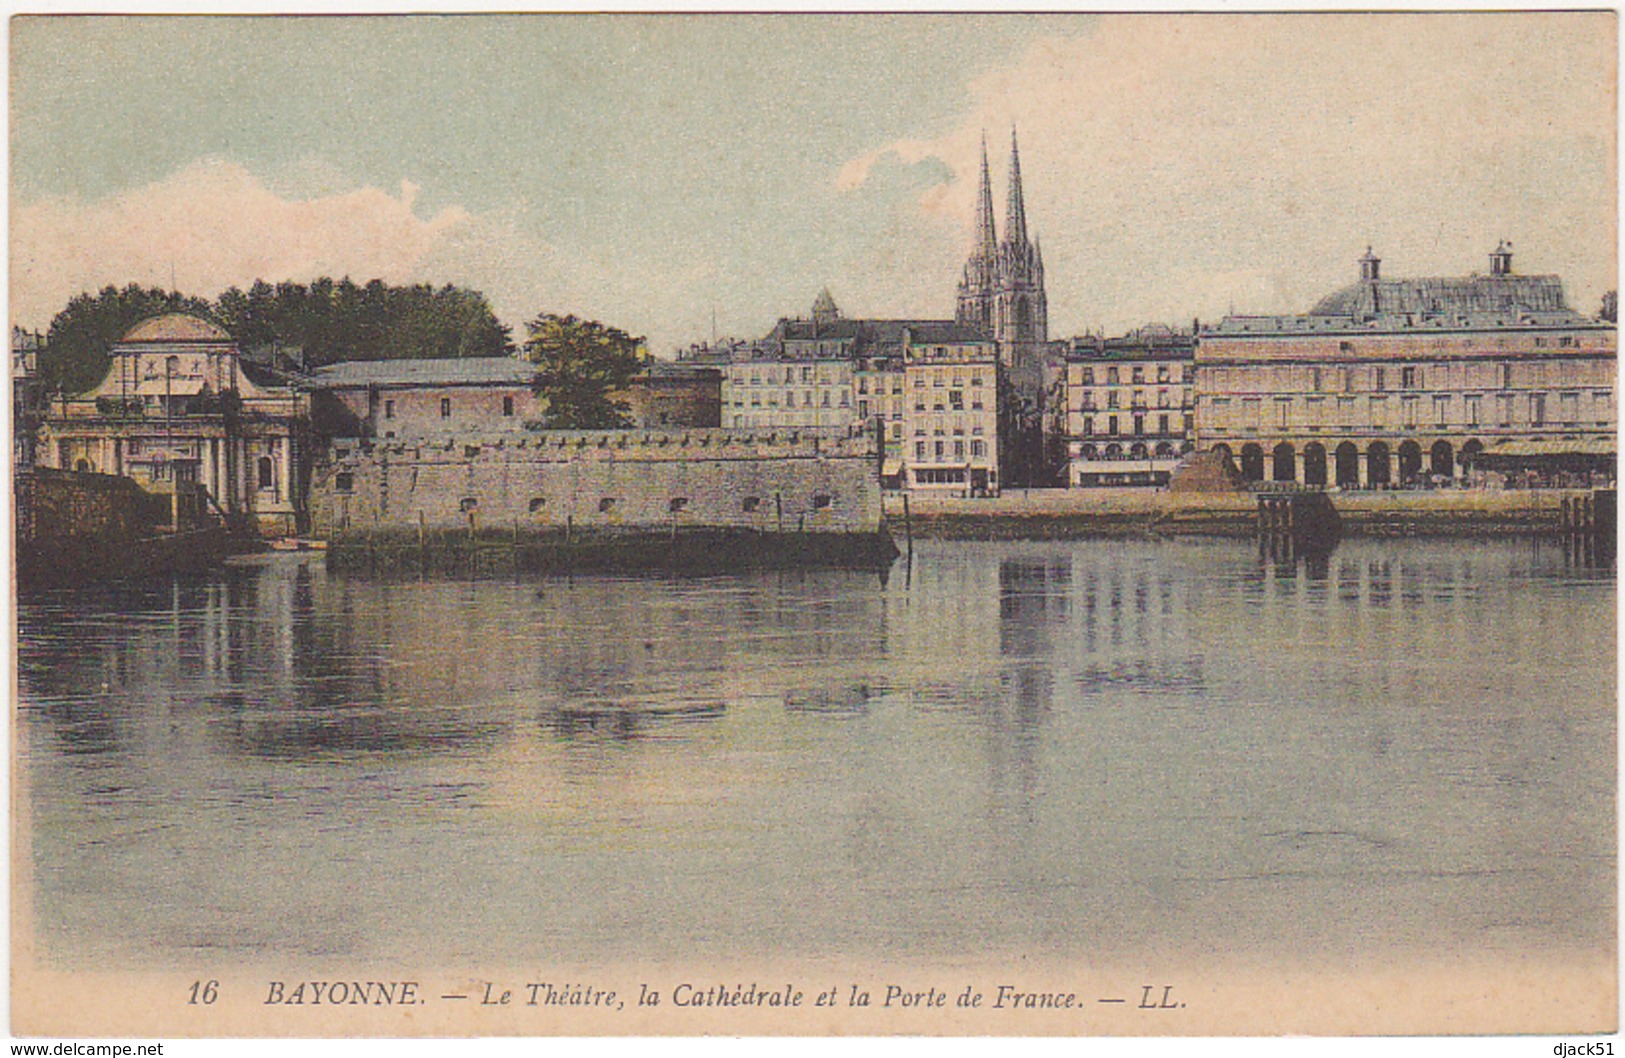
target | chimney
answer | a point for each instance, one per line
(1370, 267)
(1501, 259)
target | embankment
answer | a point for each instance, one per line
(1044, 514)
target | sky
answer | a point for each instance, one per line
(684, 175)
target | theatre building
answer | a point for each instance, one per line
(1414, 382)
(180, 406)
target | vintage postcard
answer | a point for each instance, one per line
(814, 524)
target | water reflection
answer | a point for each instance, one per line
(1068, 747)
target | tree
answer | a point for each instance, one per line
(1610, 306)
(338, 320)
(82, 335)
(583, 366)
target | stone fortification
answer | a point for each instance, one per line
(600, 481)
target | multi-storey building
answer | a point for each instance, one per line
(180, 404)
(1129, 407)
(1394, 382)
(950, 408)
(927, 388)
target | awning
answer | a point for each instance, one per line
(1550, 447)
(891, 468)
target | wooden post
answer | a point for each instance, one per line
(908, 527)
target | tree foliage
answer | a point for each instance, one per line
(75, 357)
(1610, 307)
(330, 320)
(583, 366)
(333, 320)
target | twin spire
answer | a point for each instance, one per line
(1015, 209)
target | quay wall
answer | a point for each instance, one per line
(58, 505)
(1069, 513)
(599, 481)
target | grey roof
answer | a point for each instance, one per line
(1400, 322)
(468, 371)
(669, 370)
(870, 338)
(1458, 303)
(1448, 296)
(1148, 343)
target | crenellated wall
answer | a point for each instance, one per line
(539, 481)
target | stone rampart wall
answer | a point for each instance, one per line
(55, 505)
(600, 480)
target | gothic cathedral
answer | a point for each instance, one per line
(1002, 289)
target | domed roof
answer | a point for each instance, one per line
(176, 327)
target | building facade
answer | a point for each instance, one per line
(1413, 381)
(1129, 407)
(927, 389)
(410, 399)
(180, 404)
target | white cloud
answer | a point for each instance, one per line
(1163, 156)
(214, 224)
(210, 226)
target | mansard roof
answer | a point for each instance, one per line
(1449, 295)
(870, 337)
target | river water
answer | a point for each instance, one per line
(1053, 748)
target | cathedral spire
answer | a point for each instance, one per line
(1015, 214)
(986, 240)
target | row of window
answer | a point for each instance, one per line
(1138, 399)
(1137, 374)
(790, 399)
(445, 408)
(1166, 425)
(940, 450)
(1354, 378)
(1535, 405)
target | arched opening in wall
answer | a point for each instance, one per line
(1137, 450)
(1114, 451)
(1221, 450)
(1348, 465)
(1314, 464)
(1024, 320)
(1252, 462)
(83, 466)
(1285, 466)
(1442, 460)
(1470, 453)
(266, 472)
(1376, 460)
(1410, 462)
(1187, 448)
(538, 504)
(1165, 450)
(468, 503)
(1087, 452)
